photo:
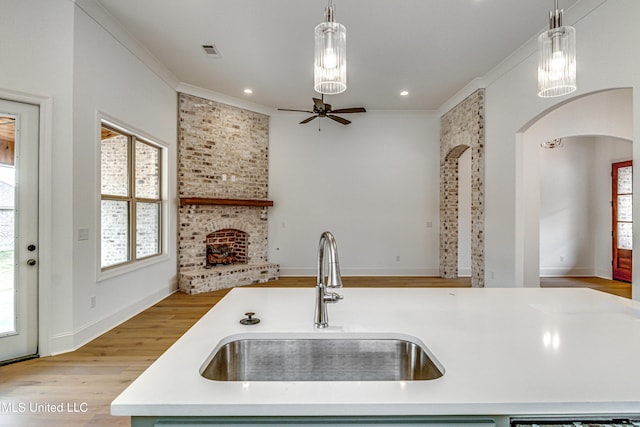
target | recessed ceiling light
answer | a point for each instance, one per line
(248, 91)
(404, 93)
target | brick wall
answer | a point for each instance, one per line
(218, 140)
(462, 128)
(197, 222)
(223, 153)
(114, 216)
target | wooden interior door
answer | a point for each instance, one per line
(622, 196)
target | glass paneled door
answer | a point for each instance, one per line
(19, 127)
(622, 196)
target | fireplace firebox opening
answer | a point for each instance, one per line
(226, 247)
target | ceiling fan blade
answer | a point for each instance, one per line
(307, 120)
(301, 111)
(338, 119)
(350, 110)
(319, 104)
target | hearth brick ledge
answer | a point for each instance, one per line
(199, 280)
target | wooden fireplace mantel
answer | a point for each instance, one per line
(224, 202)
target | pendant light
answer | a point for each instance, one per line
(330, 60)
(556, 57)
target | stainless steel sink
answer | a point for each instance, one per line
(334, 359)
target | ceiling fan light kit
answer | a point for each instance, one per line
(330, 59)
(556, 57)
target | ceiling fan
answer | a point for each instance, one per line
(320, 109)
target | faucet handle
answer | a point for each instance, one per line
(332, 297)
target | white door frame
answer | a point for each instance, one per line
(45, 203)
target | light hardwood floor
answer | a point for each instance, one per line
(84, 382)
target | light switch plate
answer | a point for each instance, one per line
(83, 234)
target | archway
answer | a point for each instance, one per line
(600, 114)
(462, 128)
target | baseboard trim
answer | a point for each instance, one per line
(567, 272)
(71, 341)
(360, 272)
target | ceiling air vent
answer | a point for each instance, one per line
(211, 50)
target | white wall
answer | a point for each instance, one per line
(607, 32)
(464, 214)
(575, 210)
(373, 183)
(566, 220)
(55, 53)
(109, 80)
(608, 150)
(37, 49)
(601, 113)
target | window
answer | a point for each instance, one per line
(131, 197)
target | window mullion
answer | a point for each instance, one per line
(116, 198)
(145, 200)
(132, 195)
(143, 168)
(160, 199)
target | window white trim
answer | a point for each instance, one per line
(104, 275)
(111, 272)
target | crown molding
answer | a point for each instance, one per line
(224, 99)
(94, 10)
(461, 95)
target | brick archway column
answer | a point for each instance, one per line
(462, 128)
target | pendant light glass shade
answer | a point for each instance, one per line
(330, 61)
(556, 58)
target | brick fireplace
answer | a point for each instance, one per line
(223, 176)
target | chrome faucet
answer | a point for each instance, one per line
(328, 244)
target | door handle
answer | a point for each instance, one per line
(31, 262)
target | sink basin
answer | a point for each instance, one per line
(321, 359)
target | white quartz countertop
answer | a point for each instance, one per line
(504, 352)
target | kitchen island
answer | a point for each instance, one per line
(570, 354)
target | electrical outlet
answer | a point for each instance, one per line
(397, 258)
(93, 302)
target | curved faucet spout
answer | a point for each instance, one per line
(327, 244)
